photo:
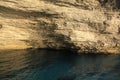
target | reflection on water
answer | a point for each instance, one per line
(57, 65)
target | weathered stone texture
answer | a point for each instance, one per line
(83, 25)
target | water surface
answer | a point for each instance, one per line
(57, 65)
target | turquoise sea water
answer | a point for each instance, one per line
(58, 65)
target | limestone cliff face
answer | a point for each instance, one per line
(82, 25)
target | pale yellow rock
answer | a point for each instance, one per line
(89, 26)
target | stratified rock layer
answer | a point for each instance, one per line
(89, 26)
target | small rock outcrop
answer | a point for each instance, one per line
(87, 26)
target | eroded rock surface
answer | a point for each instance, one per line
(83, 25)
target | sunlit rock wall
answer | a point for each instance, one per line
(89, 26)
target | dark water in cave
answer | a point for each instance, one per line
(58, 65)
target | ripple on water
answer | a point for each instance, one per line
(57, 65)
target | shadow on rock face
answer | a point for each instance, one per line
(118, 4)
(110, 4)
(64, 2)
